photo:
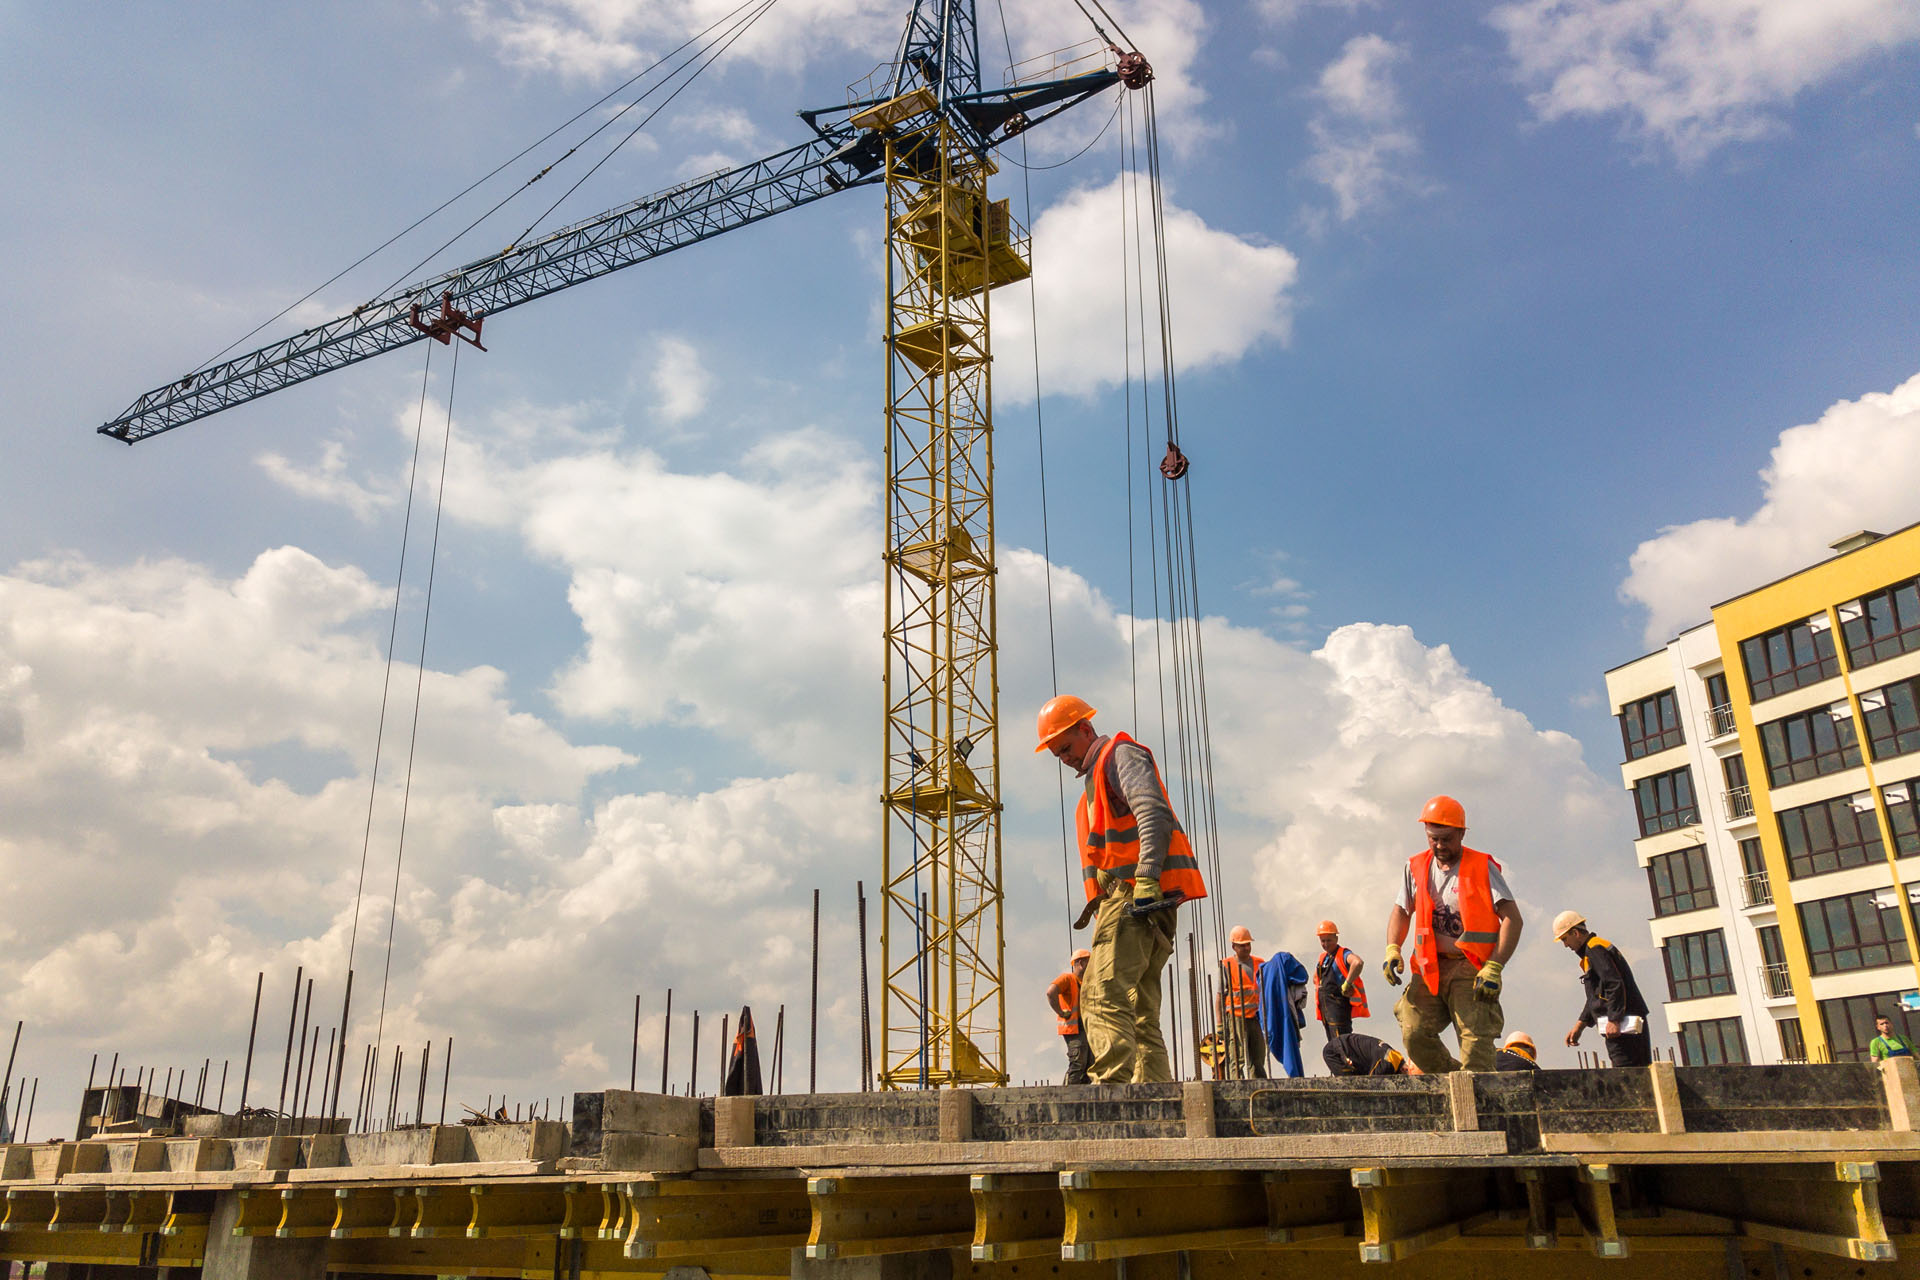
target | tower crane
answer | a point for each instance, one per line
(928, 139)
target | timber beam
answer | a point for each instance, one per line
(684, 1218)
(1404, 1211)
(1593, 1205)
(868, 1216)
(1016, 1215)
(1831, 1208)
(1125, 1214)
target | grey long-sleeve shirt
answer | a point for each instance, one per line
(1136, 789)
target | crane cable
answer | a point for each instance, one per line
(488, 176)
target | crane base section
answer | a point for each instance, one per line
(1715, 1172)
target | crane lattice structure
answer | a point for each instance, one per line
(928, 138)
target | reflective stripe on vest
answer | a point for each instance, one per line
(1357, 1001)
(1241, 989)
(1110, 840)
(1480, 925)
(1070, 1024)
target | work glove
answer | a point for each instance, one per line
(1486, 983)
(1394, 966)
(1346, 988)
(1353, 978)
(1146, 890)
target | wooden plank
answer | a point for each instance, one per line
(1142, 1152)
(1782, 1145)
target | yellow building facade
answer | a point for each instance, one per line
(1772, 758)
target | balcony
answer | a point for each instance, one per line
(1756, 890)
(1738, 802)
(1775, 982)
(1719, 721)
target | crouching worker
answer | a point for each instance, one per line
(1355, 1054)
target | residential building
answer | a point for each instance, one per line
(1772, 756)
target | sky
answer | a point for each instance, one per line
(1510, 338)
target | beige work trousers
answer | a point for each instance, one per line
(1424, 1015)
(1120, 995)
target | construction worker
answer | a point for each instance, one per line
(1338, 994)
(1063, 993)
(1136, 867)
(1239, 1011)
(1889, 1043)
(1612, 994)
(1465, 926)
(1517, 1054)
(1360, 1055)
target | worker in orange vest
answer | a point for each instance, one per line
(1063, 993)
(1465, 927)
(1239, 1011)
(1338, 994)
(1136, 867)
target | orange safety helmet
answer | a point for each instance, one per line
(1083, 954)
(1445, 811)
(1060, 714)
(1521, 1038)
(1240, 934)
(1326, 927)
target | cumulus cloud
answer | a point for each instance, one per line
(1230, 293)
(1857, 466)
(1692, 75)
(1282, 12)
(680, 379)
(1362, 144)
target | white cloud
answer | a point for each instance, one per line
(1692, 74)
(1857, 467)
(1229, 295)
(1282, 12)
(327, 481)
(680, 379)
(1362, 144)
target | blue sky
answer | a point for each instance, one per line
(1490, 297)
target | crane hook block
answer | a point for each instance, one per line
(1133, 69)
(446, 326)
(1175, 464)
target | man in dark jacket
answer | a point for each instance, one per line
(1354, 1054)
(1613, 998)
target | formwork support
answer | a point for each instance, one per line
(1593, 1204)
(1821, 1208)
(867, 1216)
(682, 1218)
(1124, 1215)
(1404, 1211)
(1016, 1215)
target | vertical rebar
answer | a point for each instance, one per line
(693, 1072)
(108, 1094)
(326, 1072)
(246, 1072)
(666, 1041)
(19, 1100)
(723, 1057)
(633, 1068)
(866, 1023)
(6, 1080)
(221, 1103)
(446, 1074)
(293, 1020)
(301, 1067)
(27, 1132)
(813, 1016)
(779, 1046)
(340, 1069)
(420, 1102)
(393, 1090)
(1193, 997)
(306, 1090)
(923, 991)
(166, 1091)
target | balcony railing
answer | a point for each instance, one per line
(1719, 720)
(1756, 890)
(1776, 982)
(1739, 803)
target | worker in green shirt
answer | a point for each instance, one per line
(1889, 1043)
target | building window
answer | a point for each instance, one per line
(1849, 1023)
(1650, 725)
(1793, 1045)
(1784, 660)
(1810, 744)
(1830, 835)
(1854, 932)
(1697, 965)
(1712, 1044)
(1719, 707)
(1755, 889)
(1903, 816)
(1882, 625)
(1680, 881)
(1665, 801)
(1739, 795)
(1893, 718)
(1776, 980)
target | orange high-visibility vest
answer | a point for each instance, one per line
(1241, 988)
(1110, 840)
(1069, 1024)
(1359, 999)
(1479, 925)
